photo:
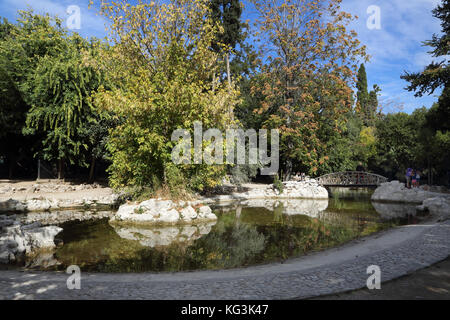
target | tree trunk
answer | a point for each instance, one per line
(288, 170)
(12, 161)
(228, 70)
(92, 171)
(430, 172)
(229, 83)
(61, 169)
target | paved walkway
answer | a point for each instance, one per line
(397, 252)
(432, 283)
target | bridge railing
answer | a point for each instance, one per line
(350, 178)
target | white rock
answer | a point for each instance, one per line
(160, 211)
(42, 237)
(20, 239)
(188, 214)
(396, 191)
(438, 206)
(171, 216)
(291, 190)
(39, 205)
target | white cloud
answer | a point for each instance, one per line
(397, 46)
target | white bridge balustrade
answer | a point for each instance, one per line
(351, 179)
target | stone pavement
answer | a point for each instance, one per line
(397, 252)
(432, 283)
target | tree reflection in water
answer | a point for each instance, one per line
(246, 233)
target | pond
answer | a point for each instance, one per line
(246, 233)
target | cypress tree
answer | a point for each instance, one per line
(361, 85)
(372, 105)
(228, 14)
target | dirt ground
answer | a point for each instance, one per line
(432, 283)
(52, 189)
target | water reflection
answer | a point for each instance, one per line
(389, 211)
(246, 233)
(164, 236)
(307, 207)
(43, 260)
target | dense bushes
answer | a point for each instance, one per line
(167, 65)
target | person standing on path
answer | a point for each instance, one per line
(417, 179)
(408, 177)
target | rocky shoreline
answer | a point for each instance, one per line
(59, 217)
(436, 203)
(18, 239)
(48, 204)
(55, 195)
(159, 211)
(32, 227)
(307, 189)
(37, 208)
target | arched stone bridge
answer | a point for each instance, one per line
(351, 179)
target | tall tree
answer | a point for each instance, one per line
(436, 74)
(361, 85)
(14, 147)
(162, 63)
(372, 105)
(367, 102)
(311, 63)
(228, 14)
(48, 67)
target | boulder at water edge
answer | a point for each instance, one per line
(17, 239)
(158, 211)
(396, 191)
(438, 207)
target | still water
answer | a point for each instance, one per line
(246, 233)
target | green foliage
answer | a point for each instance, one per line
(305, 84)
(243, 173)
(410, 141)
(13, 108)
(51, 72)
(361, 85)
(162, 74)
(228, 14)
(77, 101)
(367, 102)
(175, 181)
(60, 100)
(436, 74)
(278, 184)
(435, 124)
(396, 142)
(367, 142)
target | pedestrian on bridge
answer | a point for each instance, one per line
(360, 168)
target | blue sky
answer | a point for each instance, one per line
(394, 48)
